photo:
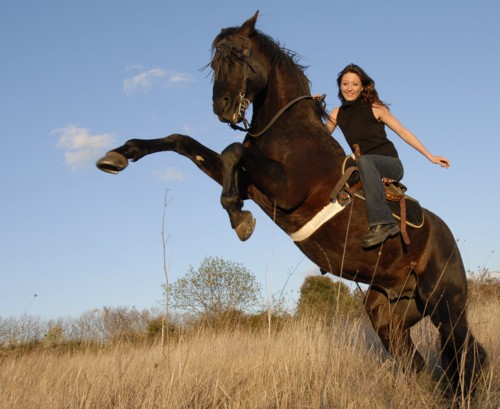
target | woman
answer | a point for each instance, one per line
(362, 118)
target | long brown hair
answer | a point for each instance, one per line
(369, 93)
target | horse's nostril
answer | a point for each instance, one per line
(222, 106)
(225, 104)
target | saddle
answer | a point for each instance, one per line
(403, 207)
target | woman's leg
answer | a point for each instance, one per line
(372, 169)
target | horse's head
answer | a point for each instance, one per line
(239, 73)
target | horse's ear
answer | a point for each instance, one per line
(248, 26)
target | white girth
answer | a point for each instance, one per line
(325, 214)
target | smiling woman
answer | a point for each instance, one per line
(350, 86)
(362, 117)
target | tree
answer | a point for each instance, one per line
(123, 323)
(218, 287)
(319, 295)
(54, 336)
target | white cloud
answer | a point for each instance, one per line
(170, 174)
(80, 147)
(134, 67)
(177, 78)
(153, 78)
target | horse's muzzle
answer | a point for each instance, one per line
(225, 112)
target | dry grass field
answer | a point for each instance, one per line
(307, 364)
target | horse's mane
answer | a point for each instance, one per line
(278, 54)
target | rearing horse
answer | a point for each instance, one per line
(288, 164)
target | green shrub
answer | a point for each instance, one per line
(320, 296)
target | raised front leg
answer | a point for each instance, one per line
(207, 160)
(223, 168)
(242, 221)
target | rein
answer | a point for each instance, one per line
(244, 103)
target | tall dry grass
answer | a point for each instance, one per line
(308, 364)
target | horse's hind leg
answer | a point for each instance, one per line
(443, 292)
(242, 221)
(462, 357)
(392, 322)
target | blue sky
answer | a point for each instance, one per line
(80, 78)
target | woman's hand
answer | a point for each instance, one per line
(440, 160)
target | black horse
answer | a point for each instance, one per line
(289, 164)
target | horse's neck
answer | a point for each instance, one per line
(339, 152)
(279, 92)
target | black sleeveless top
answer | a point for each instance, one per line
(359, 126)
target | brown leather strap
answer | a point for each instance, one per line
(351, 190)
(342, 181)
(404, 233)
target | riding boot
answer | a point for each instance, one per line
(379, 233)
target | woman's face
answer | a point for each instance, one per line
(350, 86)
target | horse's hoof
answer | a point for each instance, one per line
(113, 162)
(245, 229)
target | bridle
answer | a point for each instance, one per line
(243, 102)
(232, 53)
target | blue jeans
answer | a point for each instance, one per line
(372, 168)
